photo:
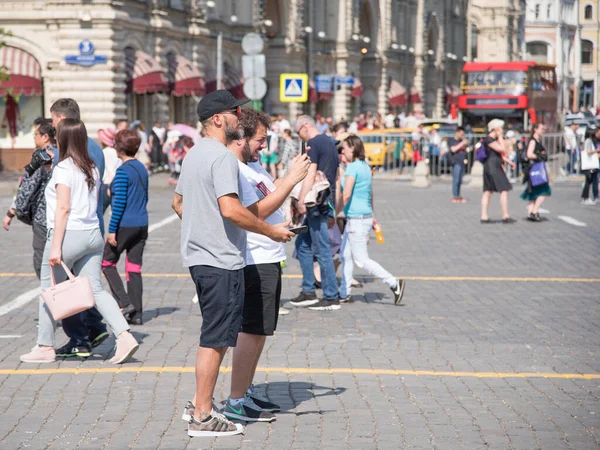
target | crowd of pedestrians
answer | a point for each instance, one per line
(256, 183)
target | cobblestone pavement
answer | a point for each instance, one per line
(507, 358)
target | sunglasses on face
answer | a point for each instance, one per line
(237, 111)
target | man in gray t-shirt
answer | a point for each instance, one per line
(213, 247)
(210, 171)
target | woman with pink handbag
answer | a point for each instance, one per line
(74, 239)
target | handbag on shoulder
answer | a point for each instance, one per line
(70, 297)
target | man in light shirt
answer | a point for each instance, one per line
(263, 196)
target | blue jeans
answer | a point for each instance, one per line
(458, 170)
(570, 166)
(316, 242)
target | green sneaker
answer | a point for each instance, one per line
(247, 411)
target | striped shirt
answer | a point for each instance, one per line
(129, 197)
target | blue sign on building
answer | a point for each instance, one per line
(346, 80)
(324, 83)
(86, 57)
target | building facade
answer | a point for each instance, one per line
(589, 22)
(553, 35)
(153, 60)
(496, 30)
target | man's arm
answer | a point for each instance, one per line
(236, 213)
(272, 202)
(307, 185)
(177, 204)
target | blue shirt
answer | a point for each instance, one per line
(360, 200)
(129, 196)
(97, 156)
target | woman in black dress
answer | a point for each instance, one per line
(494, 177)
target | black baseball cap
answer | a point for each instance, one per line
(217, 102)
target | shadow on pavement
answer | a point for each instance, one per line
(151, 314)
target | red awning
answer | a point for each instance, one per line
(234, 81)
(147, 75)
(312, 92)
(397, 94)
(325, 95)
(357, 88)
(415, 97)
(188, 79)
(24, 71)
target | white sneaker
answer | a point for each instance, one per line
(283, 311)
(589, 202)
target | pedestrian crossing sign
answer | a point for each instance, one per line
(293, 87)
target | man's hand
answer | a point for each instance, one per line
(6, 222)
(280, 233)
(111, 238)
(299, 168)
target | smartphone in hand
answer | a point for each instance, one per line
(299, 230)
(303, 151)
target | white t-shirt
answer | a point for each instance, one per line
(256, 184)
(111, 164)
(84, 203)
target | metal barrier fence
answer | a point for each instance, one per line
(398, 154)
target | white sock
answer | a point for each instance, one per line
(236, 401)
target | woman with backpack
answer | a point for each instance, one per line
(494, 177)
(590, 166)
(535, 153)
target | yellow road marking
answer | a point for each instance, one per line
(412, 278)
(301, 370)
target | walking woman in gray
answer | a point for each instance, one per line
(74, 237)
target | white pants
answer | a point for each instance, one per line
(354, 251)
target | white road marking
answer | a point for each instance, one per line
(572, 221)
(544, 211)
(9, 336)
(162, 223)
(21, 300)
(26, 297)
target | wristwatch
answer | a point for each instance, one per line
(10, 214)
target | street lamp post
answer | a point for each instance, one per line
(309, 40)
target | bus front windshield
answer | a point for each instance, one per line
(494, 82)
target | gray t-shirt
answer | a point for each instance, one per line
(209, 171)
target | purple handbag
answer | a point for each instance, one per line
(538, 174)
(481, 154)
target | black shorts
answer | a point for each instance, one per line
(221, 299)
(261, 302)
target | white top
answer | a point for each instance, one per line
(570, 139)
(84, 203)
(256, 184)
(389, 121)
(284, 124)
(111, 164)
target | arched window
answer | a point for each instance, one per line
(537, 51)
(588, 12)
(587, 52)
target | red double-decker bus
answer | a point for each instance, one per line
(519, 93)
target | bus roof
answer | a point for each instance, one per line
(520, 65)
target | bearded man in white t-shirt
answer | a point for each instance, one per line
(263, 196)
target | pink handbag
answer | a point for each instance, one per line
(70, 297)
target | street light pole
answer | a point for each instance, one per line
(219, 59)
(310, 47)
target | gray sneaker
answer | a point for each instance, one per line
(188, 412)
(214, 425)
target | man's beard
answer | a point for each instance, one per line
(233, 134)
(247, 154)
